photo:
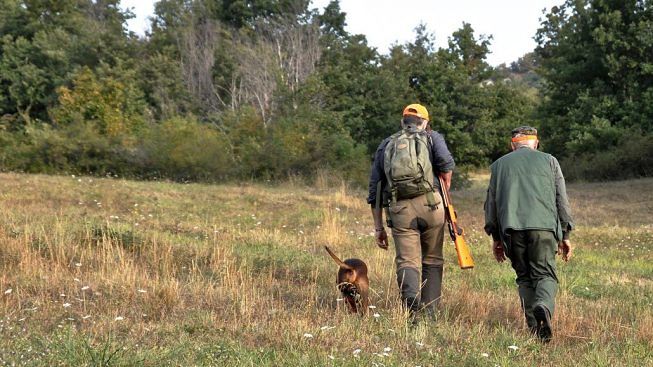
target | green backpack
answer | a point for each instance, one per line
(407, 165)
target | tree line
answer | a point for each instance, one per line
(258, 89)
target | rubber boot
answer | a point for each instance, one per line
(431, 288)
(408, 281)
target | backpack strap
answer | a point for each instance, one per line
(430, 198)
(393, 188)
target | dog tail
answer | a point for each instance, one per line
(337, 260)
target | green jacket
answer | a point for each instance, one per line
(527, 191)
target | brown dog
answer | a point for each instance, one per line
(352, 282)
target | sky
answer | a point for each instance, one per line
(512, 23)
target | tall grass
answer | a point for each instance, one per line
(113, 272)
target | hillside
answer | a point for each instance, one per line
(112, 271)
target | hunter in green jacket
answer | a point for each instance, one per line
(527, 213)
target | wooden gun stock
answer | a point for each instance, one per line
(462, 250)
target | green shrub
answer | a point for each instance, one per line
(632, 158)
(185, 149)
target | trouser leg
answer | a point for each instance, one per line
(406, 236)
(541, 256)
(432, 228)
(517, 252)
(431, 286)
(408, 281)
(527, 300)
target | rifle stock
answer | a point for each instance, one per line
(462, 250)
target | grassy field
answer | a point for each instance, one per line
(112, 272)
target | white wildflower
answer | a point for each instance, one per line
(387, 349)
(485, 355)
(376, 315)
(78, 264)
(419, 344)
(356, 352)
(142, 291)
(86, 317)
(371, 307)
(119, 318)
(307, 335)
(331, 357)
(8, 291)
(66, 305)
(513, 347)
(85, 287)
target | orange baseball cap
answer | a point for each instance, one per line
(416, 110)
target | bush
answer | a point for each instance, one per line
(184, 149)
(75, 148)
(630, 159)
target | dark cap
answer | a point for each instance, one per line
(524, 130)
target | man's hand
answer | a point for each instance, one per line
(381, 238)
(497, 249)
(446, 177)
(564, 249)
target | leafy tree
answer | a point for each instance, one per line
(45, 41)
(596, 58)
(114, 104)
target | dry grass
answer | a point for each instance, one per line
(132, 273)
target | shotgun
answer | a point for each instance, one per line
(464, 255)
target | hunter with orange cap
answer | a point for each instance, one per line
(404, 181)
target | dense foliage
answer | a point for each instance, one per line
(597, 59)
(260, 89)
